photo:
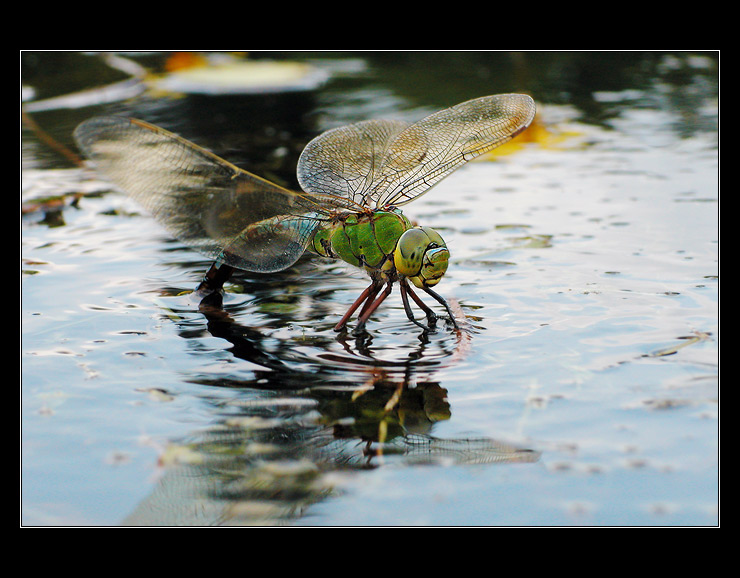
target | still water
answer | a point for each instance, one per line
(583, 389)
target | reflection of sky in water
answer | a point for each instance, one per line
(580, 262)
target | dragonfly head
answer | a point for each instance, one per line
(422, 256)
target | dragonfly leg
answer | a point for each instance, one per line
(405, 292)
(431, 315)
(370, 298)
(368, 311)
(366, 296)
(441, 300)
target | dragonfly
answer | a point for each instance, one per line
(354, 181)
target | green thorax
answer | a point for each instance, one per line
(363, 239)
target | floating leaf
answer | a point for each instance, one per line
(241, 77)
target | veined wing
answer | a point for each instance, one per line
(207, 203)
(380, 163)
(429, 150)
(348, 160)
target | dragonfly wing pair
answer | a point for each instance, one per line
(377, 163)
(223, 212)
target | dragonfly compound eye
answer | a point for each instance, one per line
(422, 256)
(433, 267)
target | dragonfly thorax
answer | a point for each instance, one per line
(386, 245)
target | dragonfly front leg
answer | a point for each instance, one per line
(367, 297)
(405, 292)
(441, 300)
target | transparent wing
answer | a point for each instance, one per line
(207, 203)
(347, 161)
(432, 148)
(376, 163)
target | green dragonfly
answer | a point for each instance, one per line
(354, 179)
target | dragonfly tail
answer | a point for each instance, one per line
(214, 280)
